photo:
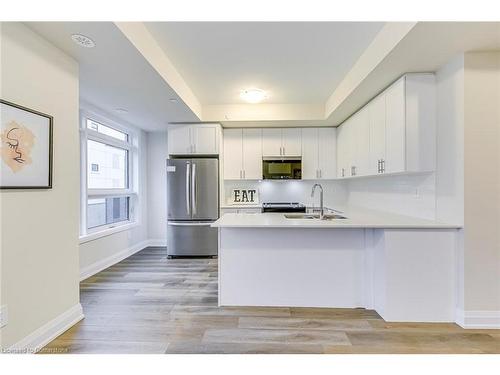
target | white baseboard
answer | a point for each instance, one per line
(478, 319)
(158, 242)
(96, 267)
(48, 332)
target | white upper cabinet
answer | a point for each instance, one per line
(376, 109)
(194, 139)
(252, 154)
(233, 154)
(242, 154)
(179, 140)
(359, 141)
(206, 139)
(310, 154)
(395, 125)
(318, 153)
(272, 142)
(342, 157)
(281, 142)
(292, 142)
(394, 133)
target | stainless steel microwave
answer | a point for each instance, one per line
(282, 168)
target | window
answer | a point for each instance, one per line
(103, 129)
(108, 191)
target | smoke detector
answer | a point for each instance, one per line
(83, 41)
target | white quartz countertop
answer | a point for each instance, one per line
(356, 218)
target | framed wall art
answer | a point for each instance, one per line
(25, 148)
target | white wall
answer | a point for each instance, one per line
(39, 228)
(450, 141)
(291, 191)
(157, 187)
(482, 182)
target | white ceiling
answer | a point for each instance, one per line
(137, 66)
(115, 75)
(296, 62)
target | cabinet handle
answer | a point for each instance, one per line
(284, 151)
(320, 173)
(244, 174)
(240, 173)
(378, 166)
(382, 166)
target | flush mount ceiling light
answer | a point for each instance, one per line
(83, 41)
(253, 95)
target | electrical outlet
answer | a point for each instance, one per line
(3, 316)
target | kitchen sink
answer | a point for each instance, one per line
(314, 216)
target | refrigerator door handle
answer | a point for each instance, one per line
(193, 188)
(188, 173)
(190, 224)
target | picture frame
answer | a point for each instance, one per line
(26, 147)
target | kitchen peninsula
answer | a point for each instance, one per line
(402, 267)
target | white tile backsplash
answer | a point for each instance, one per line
(411, 195)
(291, 191)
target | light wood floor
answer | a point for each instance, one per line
(148, 304)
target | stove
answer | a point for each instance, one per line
(283, 207)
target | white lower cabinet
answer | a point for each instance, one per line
(394, 133)
(242, 154)
(318, 153)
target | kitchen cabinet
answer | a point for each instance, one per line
(394, 160)
(318, 153)
(179, 140)
(233, 154)
(292, 142)
(243, 154)
(194, 139)
(343, 151)
(282, 142)
(393, 133)
(376, 109)
(359, 138)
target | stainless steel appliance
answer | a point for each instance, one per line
(282, 168)
(193, 204)
(283, 207)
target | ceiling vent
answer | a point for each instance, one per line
(83, 41)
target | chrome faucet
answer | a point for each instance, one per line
(322, 211)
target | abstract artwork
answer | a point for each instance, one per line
(25, 148)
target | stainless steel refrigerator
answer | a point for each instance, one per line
(193, 204)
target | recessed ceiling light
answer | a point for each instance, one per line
(83, 41)
(172, 100)
(253, 95)
(121, 110)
